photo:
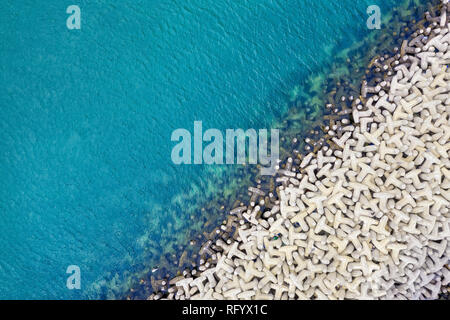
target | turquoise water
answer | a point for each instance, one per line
(86, 118)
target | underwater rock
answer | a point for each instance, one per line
(365, 218)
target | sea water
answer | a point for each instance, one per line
(86, 118)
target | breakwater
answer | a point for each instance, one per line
(365, 215)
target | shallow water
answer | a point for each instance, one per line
(86, 118)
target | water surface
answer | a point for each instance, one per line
(86, 117)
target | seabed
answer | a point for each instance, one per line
(319, 111)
